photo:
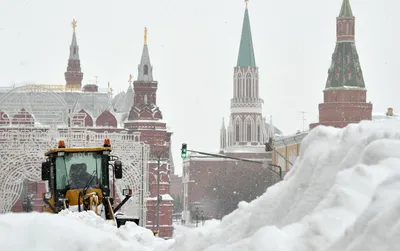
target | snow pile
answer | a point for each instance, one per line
(341, 195)
(69, 231)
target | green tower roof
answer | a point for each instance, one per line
(246, 51)
(345, 70)
(345, 11)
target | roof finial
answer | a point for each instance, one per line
(145, 35)
(130, 78)
(74, 24)
(247, 3)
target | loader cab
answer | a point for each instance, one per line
(69, 171)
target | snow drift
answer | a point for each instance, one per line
(341, 195)
(70, 231)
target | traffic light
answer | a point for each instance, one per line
(184, 151)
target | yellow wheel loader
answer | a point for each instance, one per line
(79, 180)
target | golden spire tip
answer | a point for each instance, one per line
(74, 22)
(145, 35)
(247, 3)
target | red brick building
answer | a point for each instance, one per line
(345, 95)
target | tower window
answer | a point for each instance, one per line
(237, 132)
(258, 133)
(248, 131)
(74, 50)
(146, 70)
(248, 85)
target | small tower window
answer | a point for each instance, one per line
(145, 99)
(74, 50)
(248, 131)
(258, 133)
(248, 85)
(237, 131)
(146, 70)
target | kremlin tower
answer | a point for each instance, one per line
(74, 75)
(345, 94)
(145, 117)
(247, 127)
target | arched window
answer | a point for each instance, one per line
(235, 88)
(256, 95)
(249, 131)
(146, 70)
(248, 85)
(237, 131)
(145, 99)
(258, 133)
(74, 50)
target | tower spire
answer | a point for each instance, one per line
(247, 4)
(145, 68)
(73, 24)
(345, 11)
(129, 96)
(246, 56)
(74, 75)
(223, 135)
(145, 35)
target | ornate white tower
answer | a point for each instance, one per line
(247, 127)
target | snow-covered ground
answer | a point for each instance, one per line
(69, 231)
(343, 194)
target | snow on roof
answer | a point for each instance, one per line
(245, 149)
(165, 197)
(145, 121)
(383, 116)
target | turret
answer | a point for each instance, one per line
(74, 75)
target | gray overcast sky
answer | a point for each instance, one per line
(193, 48)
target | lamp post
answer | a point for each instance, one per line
(159, 155)
(197, 216)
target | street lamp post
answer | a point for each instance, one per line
(158, 193)
(159, 155)
(197, 216)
